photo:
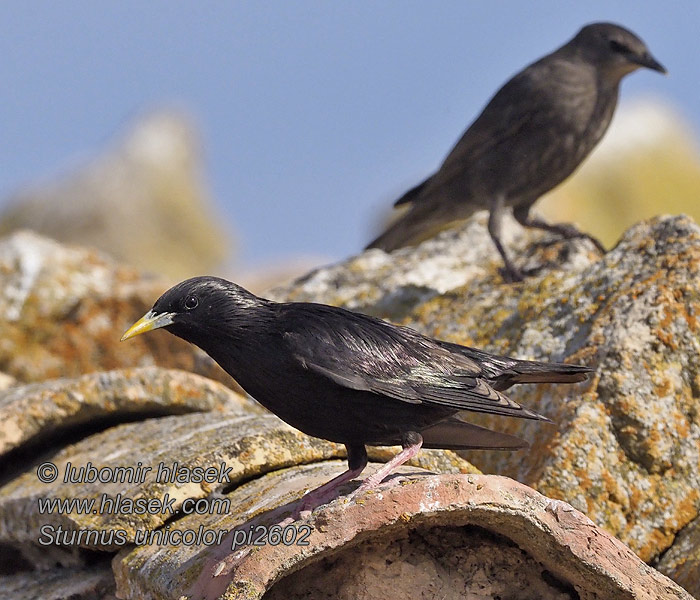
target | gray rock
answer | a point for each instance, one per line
(166, 461)
(236, 445)
(63, 309)
(93, 583)
(533, 539)
(38, 412)
(682, 561)
(626, 446)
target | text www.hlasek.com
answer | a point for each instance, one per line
(121, 504)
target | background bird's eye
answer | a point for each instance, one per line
(616, 46)
(191, 302)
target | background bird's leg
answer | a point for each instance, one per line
(495, 223)
(412, 442)
(565, 230)
(357, 461)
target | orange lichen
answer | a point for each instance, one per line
(657, 541)
(663, 388)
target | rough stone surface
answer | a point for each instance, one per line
(625, 448)
(682, 561)
(39, 412)
(439, 562)
(95, 583)
(6, 381)
(561, 551)
(143, 201)
(236, 445)
(393, 285)
(64, 308)
(626, 445)
(247, 445)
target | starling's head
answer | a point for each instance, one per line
(613, 49)
(197, 307)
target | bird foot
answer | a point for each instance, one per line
(231, 562)
(599, 246)
(235, 559)
(512, 275)
(368, 484)
(571, 232)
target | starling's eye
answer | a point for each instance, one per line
(616, 46)
(191, 302)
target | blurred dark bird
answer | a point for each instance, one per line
(350, 378)
(531, 136)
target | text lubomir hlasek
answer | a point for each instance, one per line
(171, 473)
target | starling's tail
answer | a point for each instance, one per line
(456, 434)
(525, 371)
(503, 371)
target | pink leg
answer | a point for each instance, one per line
(411, 447)
(357, 461)
(328, 491)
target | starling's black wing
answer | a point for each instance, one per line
(367, 354)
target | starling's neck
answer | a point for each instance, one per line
(238, 341)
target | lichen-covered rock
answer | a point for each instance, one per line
(393, 285)
(626, 446)
(435, 562)
(166, 462)
(682, 561)
(143, 201)
(533, 540)
(236, 445)
(39, 412)
(63, 309)
(90, 583)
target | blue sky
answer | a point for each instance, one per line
(314, 115)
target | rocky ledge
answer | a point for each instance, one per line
(615, 479)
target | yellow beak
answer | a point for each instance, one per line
(148, 322)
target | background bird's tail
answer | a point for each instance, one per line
(421, 221)
(412, 194)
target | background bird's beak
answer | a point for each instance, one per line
(650, 62)
(148, 322)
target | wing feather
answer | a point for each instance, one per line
(366, 354)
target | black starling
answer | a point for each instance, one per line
(350, 378)
(530, 137)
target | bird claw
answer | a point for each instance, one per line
(234, 560)
(596, 243)
(512, 275)
(300, 514)
(228, 564)
(570, 232)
